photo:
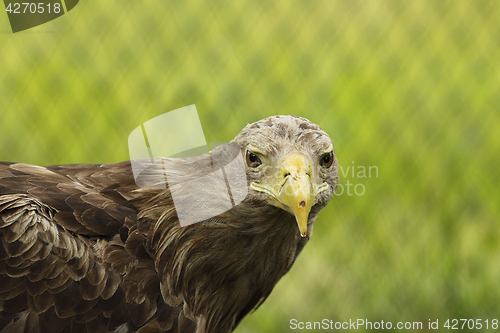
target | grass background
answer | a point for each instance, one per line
(410, 87)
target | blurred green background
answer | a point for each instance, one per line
(411, 87)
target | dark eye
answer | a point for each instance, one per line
(327, 160)
(253, 160)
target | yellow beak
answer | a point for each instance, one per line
(295, 192)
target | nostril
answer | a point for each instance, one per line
(302, 203)
(286, 175)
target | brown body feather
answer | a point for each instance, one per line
(84, 249)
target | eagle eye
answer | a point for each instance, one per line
(253, 160)
(326, 160)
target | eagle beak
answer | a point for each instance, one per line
(294, 190)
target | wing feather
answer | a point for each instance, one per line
(61, 266)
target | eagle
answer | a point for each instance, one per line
(85, 249)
